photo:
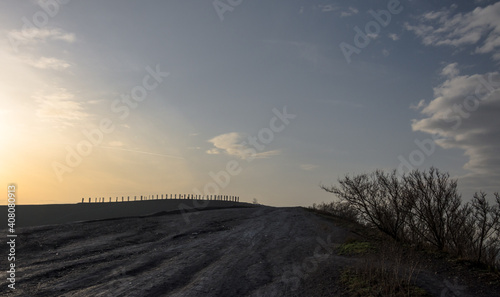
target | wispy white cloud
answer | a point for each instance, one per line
(35, 35)
(349, 12)
(60, 108)
(49, 63)
(450, 70)
(480, 27)
(234, 144)
(329, 7)
(419, 105)
(393, 36)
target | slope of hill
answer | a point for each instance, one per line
(260, 251)
(49, 214)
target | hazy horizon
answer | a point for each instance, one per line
(263, 100)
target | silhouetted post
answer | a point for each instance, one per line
(96, 199)
(109, 199)
(135, 198)
(90, 199)
(83, 199)
(141, 197)
(128, 198)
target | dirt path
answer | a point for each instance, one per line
(259, 251)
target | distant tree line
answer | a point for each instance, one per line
(423, 208)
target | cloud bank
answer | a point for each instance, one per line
(465, 112)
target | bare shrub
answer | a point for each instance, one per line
(436, 203)
(377, 197)
(423, 208)
(486, 218)
(339, 209)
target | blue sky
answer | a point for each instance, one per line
(171, 91)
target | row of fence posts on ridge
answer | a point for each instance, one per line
(172, 196)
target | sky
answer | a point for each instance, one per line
(263, 100)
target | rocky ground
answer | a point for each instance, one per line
(261, 251)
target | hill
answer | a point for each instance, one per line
(257, 251)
